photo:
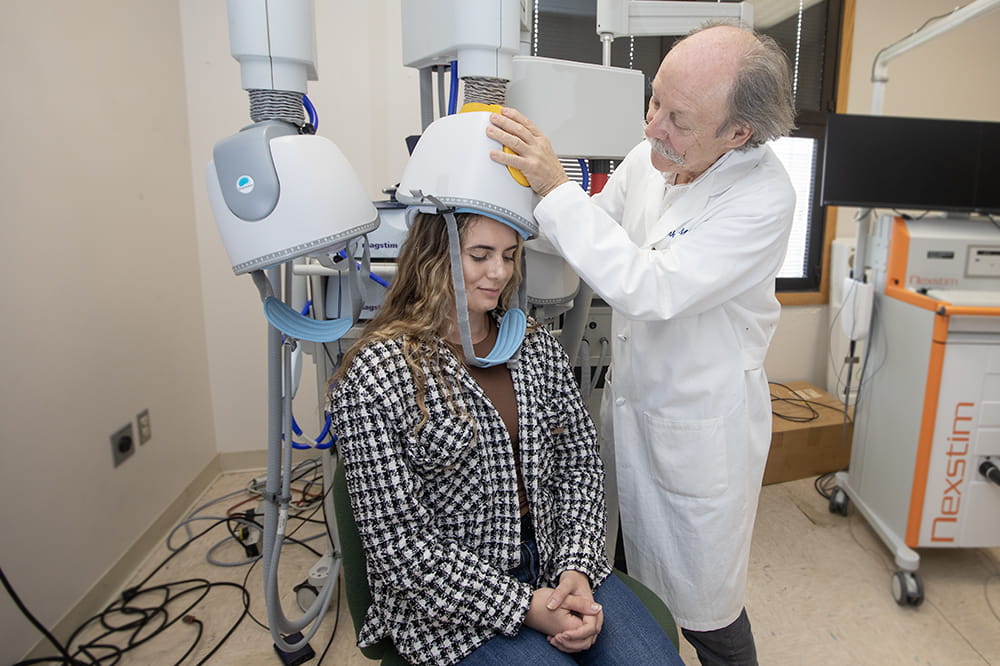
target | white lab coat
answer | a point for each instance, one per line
(689, 272)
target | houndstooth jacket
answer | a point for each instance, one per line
(438, 509)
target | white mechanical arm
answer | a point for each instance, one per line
(280, 192)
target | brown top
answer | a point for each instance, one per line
(496, 382)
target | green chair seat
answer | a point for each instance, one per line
(359, 596)
(653, 604)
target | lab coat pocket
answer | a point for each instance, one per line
(687, 457)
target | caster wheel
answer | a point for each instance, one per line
(838, 502)
(907, 589)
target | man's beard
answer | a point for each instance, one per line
(660, 149)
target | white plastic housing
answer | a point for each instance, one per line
(384, 242)
(655, 18)
(585, 110)
(551, 281)
(322, 206)
(274, 42)
(856, 313)
(482, 35)
(452, 163)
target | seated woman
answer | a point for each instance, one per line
(478, 492)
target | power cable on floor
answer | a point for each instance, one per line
(65, 657)
(136, 620)
(986, 593)
(825, 484)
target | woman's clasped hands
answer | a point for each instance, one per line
(567, 615)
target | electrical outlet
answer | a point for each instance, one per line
(122, 444)
(145, 429)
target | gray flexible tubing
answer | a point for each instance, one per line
(278, 493)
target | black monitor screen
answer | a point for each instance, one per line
(911, 163)
(988, 180)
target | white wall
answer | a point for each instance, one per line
(101, 304)
(956, 75)
(119, 295)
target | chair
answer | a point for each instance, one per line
(355, 570)
(653, 604)
(359, 596)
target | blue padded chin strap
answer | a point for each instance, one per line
(513, 324)
(284, 318)
(294, 324)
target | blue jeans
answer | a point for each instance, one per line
(629, 636)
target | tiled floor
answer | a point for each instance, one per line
(819, 594)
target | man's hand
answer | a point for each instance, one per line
(534, 155)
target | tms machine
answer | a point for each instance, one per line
(925, 458)
(925, 462)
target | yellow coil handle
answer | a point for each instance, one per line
(496, 108)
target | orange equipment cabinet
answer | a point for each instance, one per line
(927, 419)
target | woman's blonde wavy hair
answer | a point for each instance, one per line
(420, 303)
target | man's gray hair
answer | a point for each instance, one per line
(761, 96)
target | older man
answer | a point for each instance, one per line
(685, 243)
